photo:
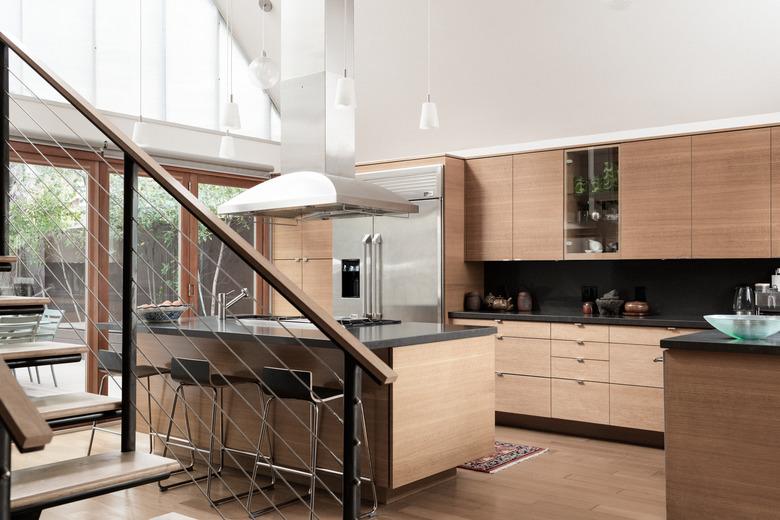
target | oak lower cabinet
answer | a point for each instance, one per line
(600, 374)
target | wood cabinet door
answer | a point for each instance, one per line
(731, 194)
(488, 194)
(317, 239)
(318, 281)
(655, 198)
(537, 206)
(286, 240)
(776, 192)
(280, 305)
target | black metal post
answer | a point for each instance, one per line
(5, 156)
(351, 482)
(129, 246)
(5, 473)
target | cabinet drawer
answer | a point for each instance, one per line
(636, 365)
(580, 331)
(530, 357)
(580, 401)
(523, 394)
(636, 407)
(516, 329)
(645, 335)
(584, 369)
(524, 329)
(579, 349)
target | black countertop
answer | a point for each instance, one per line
(568, 316)
(715, 341)
(375, 337)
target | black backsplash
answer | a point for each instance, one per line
(673, 287)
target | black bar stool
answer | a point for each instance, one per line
(197, 372)
(296, 385)
(111, 363)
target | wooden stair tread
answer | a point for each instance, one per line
(54, 403)
(7, 259)
(39, 349)
(23, 301)
(75, 478)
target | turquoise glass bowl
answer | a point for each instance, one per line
(746, 326)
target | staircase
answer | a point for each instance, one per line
(28, 413)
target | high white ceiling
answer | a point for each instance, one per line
(507, 71)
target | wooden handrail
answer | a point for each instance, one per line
(25, 425)
(367, 360)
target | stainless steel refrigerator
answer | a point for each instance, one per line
(391, 266)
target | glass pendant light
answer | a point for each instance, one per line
(345, 87)
(429, 115)
(227, 146)
(230, 118)
(141, 129)
(263, 71)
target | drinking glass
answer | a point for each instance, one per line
(744, 300)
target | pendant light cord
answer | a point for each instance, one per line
(140, 61)
(428, 44)
(345, 38)
(230, 50)
(262, 25)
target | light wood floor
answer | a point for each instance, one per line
(577, 479)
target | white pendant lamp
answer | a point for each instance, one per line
(227, 147)
(263, 71)
(345, 87)
(429, 115)
(141, 129)
(230, 118)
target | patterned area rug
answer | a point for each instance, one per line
(506, 454)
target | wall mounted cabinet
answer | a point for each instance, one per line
(537, 206)
(731, 194)
(488, 201)
(775, 172)
(656, 183)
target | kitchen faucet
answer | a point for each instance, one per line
(222, 306)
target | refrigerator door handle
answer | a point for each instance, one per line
(376, 275)
(365, 277)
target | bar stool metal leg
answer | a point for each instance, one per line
(375, 504)
(94, 423)
(264, 430)
(314, 426)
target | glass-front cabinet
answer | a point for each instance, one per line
(592, 203)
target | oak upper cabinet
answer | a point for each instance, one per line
(731, 194)
(488, 204)
(776, 192)
(303, 251)
(537, 206)
(656, 200)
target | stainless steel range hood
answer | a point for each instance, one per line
(318, 138)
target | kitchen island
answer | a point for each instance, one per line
(438, 414)
(722, 402)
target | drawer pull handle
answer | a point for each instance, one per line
(499, 336)
(499, 321)
(580, 382)
(580, 360)
(579, 325)
(671, 329)
(500, 374)
(659, 359)
(580, 342)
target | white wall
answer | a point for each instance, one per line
(509, 71)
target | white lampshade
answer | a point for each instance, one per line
(345, 93)
(227, 147)
(142, 133)
(429, 116)
(264, 72)
(230, 117)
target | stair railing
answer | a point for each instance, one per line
(357, 357)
